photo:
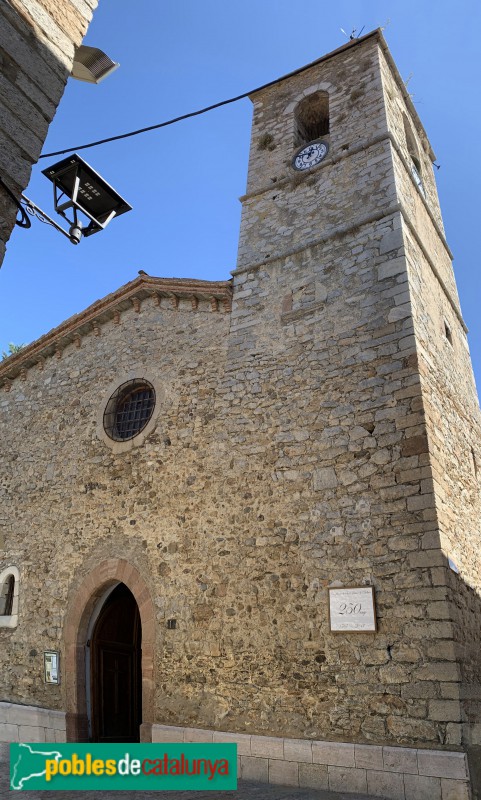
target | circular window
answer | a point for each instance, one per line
(129, 410)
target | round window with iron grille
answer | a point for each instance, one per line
(129, 410)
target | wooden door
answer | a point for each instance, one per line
(116, 670)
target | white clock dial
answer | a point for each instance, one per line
(310, 155)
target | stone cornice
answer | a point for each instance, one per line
(130, 296)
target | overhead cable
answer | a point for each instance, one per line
(192, 113)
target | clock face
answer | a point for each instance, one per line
(310, 155)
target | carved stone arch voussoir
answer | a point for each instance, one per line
(323, 86)
(79, 612)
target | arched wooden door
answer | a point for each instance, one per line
(116, 687)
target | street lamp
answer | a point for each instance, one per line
(78, 187)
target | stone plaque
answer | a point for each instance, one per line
(51, 666)
(352, 610)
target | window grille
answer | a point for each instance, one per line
(129, 410)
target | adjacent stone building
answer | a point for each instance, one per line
(189, 466)
(37, 46)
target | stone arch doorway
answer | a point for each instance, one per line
(78, 634)
(113, 668)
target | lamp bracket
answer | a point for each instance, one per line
(36, 211)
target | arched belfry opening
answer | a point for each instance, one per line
(109, 637)
(414, 157)
(114, 667)
(311, 118)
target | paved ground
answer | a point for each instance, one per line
(246, 791)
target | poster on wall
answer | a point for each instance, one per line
(51, 666)
(352, 610)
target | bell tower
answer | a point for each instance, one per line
(346, 310)
(337, 103)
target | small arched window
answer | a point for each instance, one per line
(311, 118)
(6, 601)
(414, 159)
(9, 583)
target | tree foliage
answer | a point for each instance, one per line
(12, 349)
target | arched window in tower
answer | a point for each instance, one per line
(311, 118)
(9, 597)
(413, 150)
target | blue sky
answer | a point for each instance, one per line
(184, 181)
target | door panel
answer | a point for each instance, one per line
(116, 670)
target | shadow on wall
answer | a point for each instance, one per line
(467, 631)
(35, 71)
(4, 767)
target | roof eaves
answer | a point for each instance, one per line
(104, 310)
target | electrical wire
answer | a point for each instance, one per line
(145, 130)
(194, 113)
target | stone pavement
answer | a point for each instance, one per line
(246, 791)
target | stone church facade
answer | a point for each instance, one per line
(310, 424)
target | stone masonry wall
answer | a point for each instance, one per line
(260, 487)
(37, 43)
(377, 260)
(347, 454)
(100, 503)
(391, 773)
(30, 724)
(453, 416)
(449, 398)
(399, 108)
(454, 437)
